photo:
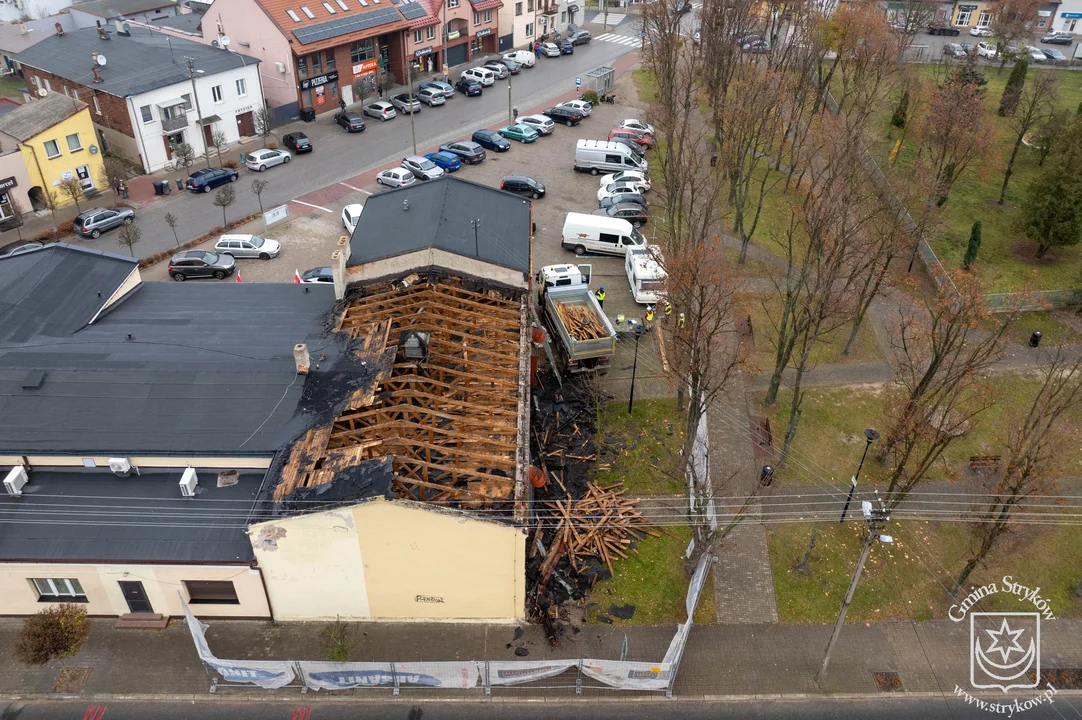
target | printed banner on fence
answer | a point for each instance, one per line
(345, 675)
(629, 675)
(459, 675)
(269, 674)
(516, 672)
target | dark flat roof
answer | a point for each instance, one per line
(86, 515)
(440, 214)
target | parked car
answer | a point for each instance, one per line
(750, 38)
(759, 46)
(942, 29)
(248, 246)
(446, 161)
(350, 215)
(317, 275)
(525, 58)
(953, 49)
(986, 49)
(479, 74)
(431, 96)
(491, 140)
(620, 188)
(498, 69)
(626, 176)
(549, 49)
(566, 47)
(93, 222)
(445, 88)
(298, 142)
(512, 67)
(522, 185)
(1058, 38)
(634, 213)
(201, 264)
(981, 32)
(568, 116)
(581, 105)
(260, 160)
(542, 124)
(622, 199)
(968, 47)
(1035, 54)
(636, 124)
(206, 180)
(1054, 55)
(582, 37)
(383, 110)
(629, 138)
(903, 27)
(406, 103)
(422, 168)
(642, 135)
(467, 151)
(522, 133)
(19, 247)
(396, 177)
(350, 121)
(469, 87)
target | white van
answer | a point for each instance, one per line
(481, 74)
(645, 274)
(600, 234)
(602, 156)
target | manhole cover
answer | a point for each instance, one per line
(888, 681)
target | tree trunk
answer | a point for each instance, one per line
(971, 565)
(1010, 169)
(803, 567)
(1042, 249)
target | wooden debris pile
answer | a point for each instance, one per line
(601, 524)
(581, 324)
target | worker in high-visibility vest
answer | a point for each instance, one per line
(600, 294)
(668, 310)
(680, 321)
(649, 317)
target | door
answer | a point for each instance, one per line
(136, 596)
(208, 136)
(246, 124)
(457, 55)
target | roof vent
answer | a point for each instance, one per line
(103, 34)
(59, 29)
(300, 355)
(413, 345)
(189, 481)
(33, 379)
(15, 480)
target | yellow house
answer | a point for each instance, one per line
(56, 138)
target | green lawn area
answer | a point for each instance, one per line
(1053, 332)
(644, 84)
(647, 445)
(911, 576)
(655, 582)
(1007, 262)
(11, 87)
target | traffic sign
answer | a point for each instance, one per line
(578, 82)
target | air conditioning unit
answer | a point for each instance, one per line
(188, 482)
(280, 67)
(15, 480)
(121, 467)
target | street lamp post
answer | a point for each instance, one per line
(639, 329)
(870, 435)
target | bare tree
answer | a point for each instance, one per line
(69, 187)
(939, 351)
(17, 213)
(48, 199)
(185, 155)
(171, 221)
(264, 122)
(225, 197)
(111, 172)
(258, 186)
(954, 132)
(1034, 105)
(1011, 22)
(219, 141)
(1032, 441)
(128, 236)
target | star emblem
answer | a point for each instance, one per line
(1005, 641)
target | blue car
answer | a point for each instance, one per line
(447, 161)
(491, 140)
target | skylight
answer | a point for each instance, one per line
(342, 4)
(306, 11)
(331, 10)
(293, 16)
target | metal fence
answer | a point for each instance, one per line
(1038, 300)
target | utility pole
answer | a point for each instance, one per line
(873, 521)
(870, 435)
(409, 87)
(510, 120)
(639, 329)
(198, 113)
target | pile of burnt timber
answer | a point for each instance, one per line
(581, 323)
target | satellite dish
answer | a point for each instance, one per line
(224, 40)
(101, 60)
(42, 92)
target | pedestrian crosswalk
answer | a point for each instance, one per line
(613, 18)
(620, 39)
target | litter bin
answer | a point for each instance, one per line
(158, 189)
(308, 114)
(180, 184)
(166, 190)
(1035, 339)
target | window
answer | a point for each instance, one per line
(66, 91)
(529, 29)
(52, 150)
(317, 64)
(563, 17)
(97, 107)
(430, 34)
(452, 4)
(963, 18)
(37, 81)
(293, 16)
(302, 67)
(333, 85)
(329, 60)
(187, 101)
(477, 18)
(75, 94)
(331, 10)
(211, 592)
(362, 50)
(74, 143)
(242, 87)
(529, 5)
(417, 37)
(216, 93)
(307, 12)
(50, 589)
(518, 9)
(47, 85)
(1042, 20)
(487, 16)
(342, 4)
(985, 19)
(148, 116)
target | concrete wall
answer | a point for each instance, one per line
(392, 560)
(161, 582)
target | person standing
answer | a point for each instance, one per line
(668, 310)
(600, 294)
(514, 111)
(649, 317)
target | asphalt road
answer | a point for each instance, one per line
(338, 156)
(935, 45)
(411, 709)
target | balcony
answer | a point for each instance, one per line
(177, 122)
(550, 8)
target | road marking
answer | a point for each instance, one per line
(94, 712)
(355, 189)
(614, 18)
(317, 207)
(620, 39)
(302, 713)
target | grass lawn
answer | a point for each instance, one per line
(910, 577)
(1053, 332)
(654, 581)
(1006, 261)
(11, 87)
(646, 443)
(645, 84)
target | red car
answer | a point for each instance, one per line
(630, 137)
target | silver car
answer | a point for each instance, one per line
(431, 96)
(404, 103)
(396, 177)
(541, 123)
(422, 168)
(264, 158)
(499, 69)
(382, 110)
(248, 246)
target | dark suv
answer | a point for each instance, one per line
(468, 151)
(201, 264)
(942, 29)
(206, 180)
(522, 185)
(567, 115)
(93, 222)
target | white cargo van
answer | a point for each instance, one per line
(602, 156)
(600, 234)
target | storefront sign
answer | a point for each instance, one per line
(366, 68)
(423, 51)
(483, 32)
(964, 8)
(455, 34)
(318, 81)
(7, 184)
(1070, 15)
(1044, 13)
